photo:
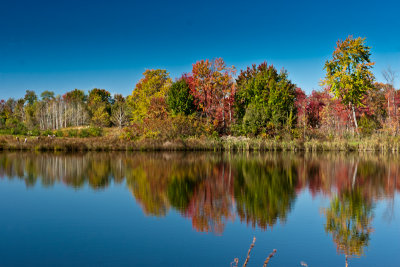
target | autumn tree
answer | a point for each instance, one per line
(301, 104)
(77, 107)
(264, 99)
(348, 73)
(14, 114)
(314, 108)
(99, 104)
(390, 76)
(9, 108)
(335, 117)
(179, 99)
(373, 111)
(2, 113)
(30, 108)
(212, 85)
(154, 84)
(43, 113)
(119, 116)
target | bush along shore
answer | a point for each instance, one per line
(227, 143)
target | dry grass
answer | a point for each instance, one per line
(111, 142)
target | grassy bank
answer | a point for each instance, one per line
(109, 143)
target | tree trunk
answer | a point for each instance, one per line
(354, 118)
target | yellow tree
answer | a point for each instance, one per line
(348, 73)
(154, 84)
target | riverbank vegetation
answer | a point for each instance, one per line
(212, 108)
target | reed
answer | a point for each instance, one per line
(248, 253)
(226, 143)
(236, 260)
(269, 258)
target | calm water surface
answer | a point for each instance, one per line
(198, 209)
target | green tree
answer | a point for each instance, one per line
(3, 116)
(47, 95)
(30, 108)
(30, 97)
(264, 98)
(349, 74)
(154, 84)
(179, 99)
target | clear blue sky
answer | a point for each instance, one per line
(62, 45)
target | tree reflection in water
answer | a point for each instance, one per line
(211, 189)
(348, 219)
(264, 190)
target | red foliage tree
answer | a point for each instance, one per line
(301, 107)
(335, 116)
(212, 85)
(314, 107)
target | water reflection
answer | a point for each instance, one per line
(265, 189)
(212, 189)
(348, 219)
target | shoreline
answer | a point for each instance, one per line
(67, 144)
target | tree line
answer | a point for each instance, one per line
(212, 100)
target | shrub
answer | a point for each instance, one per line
(95, 131)
(73, 133)
(59, 133)
(186, 126)
(90, 132)
(368, 125)
(34, 132)
(133, 132)
(83, 133)
(16, 127)
(47, 132)
(179, 126)
(254, 120)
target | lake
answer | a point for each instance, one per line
(198, 209)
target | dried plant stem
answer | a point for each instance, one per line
(235, 262)
(269, 257)
(248, 253)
